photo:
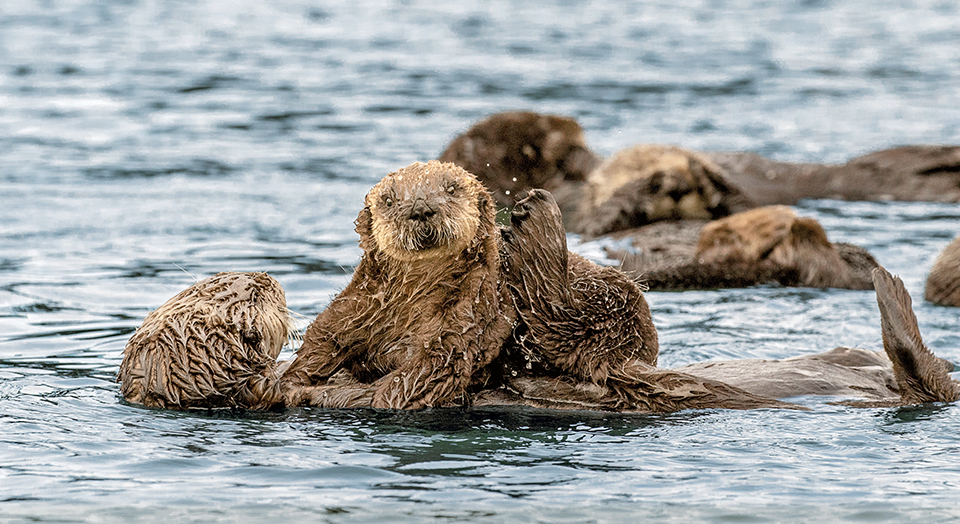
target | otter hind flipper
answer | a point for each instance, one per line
(921, 376)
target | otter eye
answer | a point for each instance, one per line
(452, 189)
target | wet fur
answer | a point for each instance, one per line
(587, 336)
(514, 151)
(215, 344)
(762, 245)
(649, 183)
(417, 324)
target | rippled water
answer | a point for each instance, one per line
(141, 137)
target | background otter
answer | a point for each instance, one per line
(943, 282)
(649, 183)
(514, 151)
(767, 244)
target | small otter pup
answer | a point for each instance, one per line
(215, 344)
(649, 183)
(514, 151)
(585, 338)
(767, 244)
(943, 282)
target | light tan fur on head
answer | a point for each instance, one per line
(748, 236)
(777, 235)
(675, 167)
(424, 211)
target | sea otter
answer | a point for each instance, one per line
(215, 344)
(910, 173)
(648, 183)
(425, 315)
(762, 245)
(514, 151)
(943, 282)
(442, 310)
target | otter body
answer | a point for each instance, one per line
(213, 345)
(514, 151)
(446, 309)
(648, 183)
(762, 245)
(424, 314)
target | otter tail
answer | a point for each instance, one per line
(921, 376)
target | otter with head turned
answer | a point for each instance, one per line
(649, 183)
(943, 282)
(762, 245)
(215, 344)
(514, 151)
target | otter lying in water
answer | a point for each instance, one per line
(442, 310)
(762, 245)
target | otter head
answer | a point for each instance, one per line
(424, 211)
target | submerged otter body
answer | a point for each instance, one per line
(943, 282)
(762, 245)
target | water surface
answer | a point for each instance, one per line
(146, 143)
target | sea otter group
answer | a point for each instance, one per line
(448, 308)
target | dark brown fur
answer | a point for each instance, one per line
(420, 321)
(943, 282)
(921, 375)
(910, 173)
(514, 151)
(215, 344)
(586, 336)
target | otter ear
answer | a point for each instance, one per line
(364, 228)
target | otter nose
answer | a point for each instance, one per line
(421, 210)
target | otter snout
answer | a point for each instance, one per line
(421, 211)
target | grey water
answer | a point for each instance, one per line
(145, 143)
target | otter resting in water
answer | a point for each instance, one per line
(514, 151)
(215, 344)
(762, 245)
(648, 183)
(443, 311)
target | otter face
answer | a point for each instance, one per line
(425, 211)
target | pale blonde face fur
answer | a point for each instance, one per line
(673, 167)
(424, 211)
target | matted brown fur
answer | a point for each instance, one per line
(648, 183)
(424, 315)
(943, 282)
(762, 245)
(514, 151)
(586, 337)
(215, 344)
